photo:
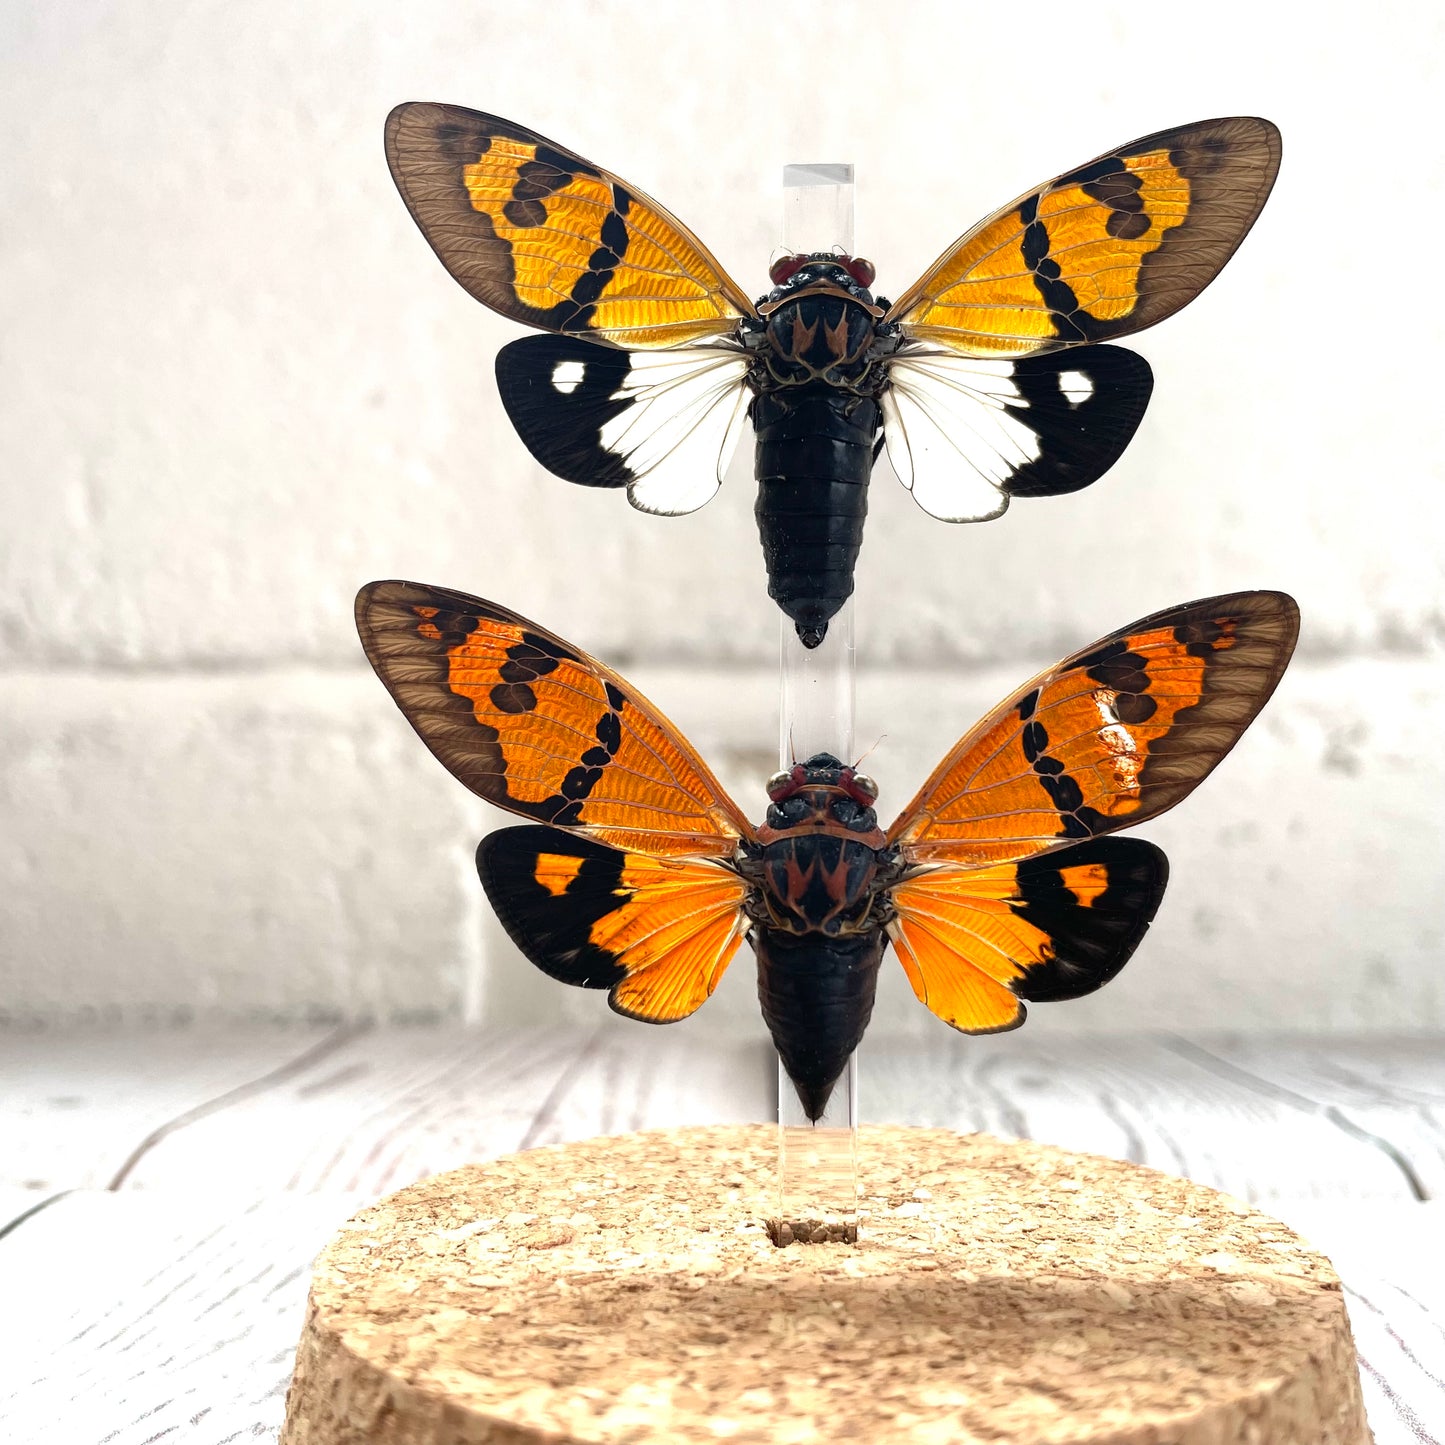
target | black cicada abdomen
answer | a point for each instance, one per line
(815, 448)
(817, 997)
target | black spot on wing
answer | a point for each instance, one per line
(513, 697)
(1084, 405)
(615, 234)
(1204, 156)
(1200, 637)
(536, 180)
(1124, 671)
(1035, 739)
(609, 728)
(1134, 708)
(1090, 940)
(553, 929)
(1112, 184)
(449, 629)
(526, 662)
(1070, 323)
(1091, 174)
(1035, 243)
(561, 425)
(588, 286)
(548, 647)
(1125, 674)
(1084, 822)
(580, 781)
(545, 155)
(1064, 792)
(525, 214)
(602, 264)
(1126, 225)
(529, 659)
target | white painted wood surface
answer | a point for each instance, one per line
(1264, 1119)
(73, 1105)
(167, 1308)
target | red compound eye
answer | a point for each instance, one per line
(860, 270)
(784, 267)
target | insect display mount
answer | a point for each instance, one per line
(615, 1290)
(631, 1288)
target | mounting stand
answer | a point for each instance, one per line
(625, 1290)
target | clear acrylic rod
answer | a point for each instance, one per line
(818, 698)
(817, 207)
(817, 1162)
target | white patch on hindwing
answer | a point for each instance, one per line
(567, 376)
(684, 410)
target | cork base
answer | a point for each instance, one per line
(625, 1290)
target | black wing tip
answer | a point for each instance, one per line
(368, 597)
(637, 1018)
(398, 112)
(1017, 1022)
(1270, 144)
(487, 851)
(1253, 603)
(1268, 131)
(1094, 939)
(1123, 384)
(1127, 366)
(393, 591)
(396, 118)
(1288, 610)
(1143, 848)
(380, 587)
(551, 933)
(507, 842)
(563, 433)
(398, 590)
(1265, 603)
(1267, 128)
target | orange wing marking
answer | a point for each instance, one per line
(675, 934)
(1113, 735)
(557, 872)
(1103, 250)
(1087, 882)
(532, 725)
(547, 238)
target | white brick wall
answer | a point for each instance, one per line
(236, 384)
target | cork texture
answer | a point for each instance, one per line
(625, 1290)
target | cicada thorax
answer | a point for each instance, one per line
(819, 870)
(816, 418)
